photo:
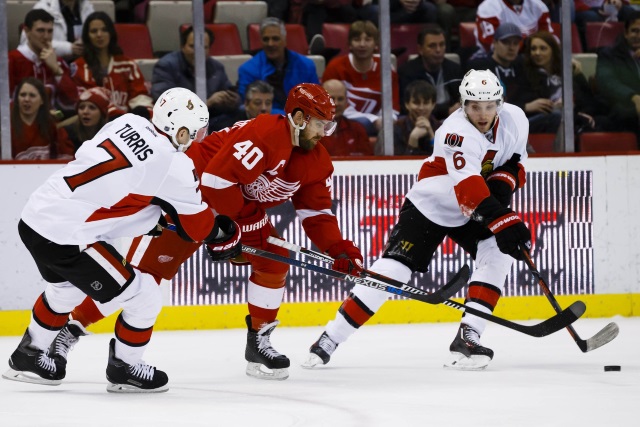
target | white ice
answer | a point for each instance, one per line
(389, 375)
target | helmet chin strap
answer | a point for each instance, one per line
(296, 132)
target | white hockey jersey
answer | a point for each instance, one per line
(117, 186)
(530, 16)
(451, 182)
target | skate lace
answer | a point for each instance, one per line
(264, 346)
(47, 363)
(143, 371)
(471, 336)
(327, 344)
(65, 342)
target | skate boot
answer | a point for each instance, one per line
(320, 352)
(66, 339)
(264, 361)
(30, 365)
(468, 354)
(138, 378)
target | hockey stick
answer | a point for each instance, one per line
(547, 327)
(450, 288)
(602, 337)
(365, 273)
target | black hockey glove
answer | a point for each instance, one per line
(505, 224)
(226, 244)
(157, 230)
(505, 180)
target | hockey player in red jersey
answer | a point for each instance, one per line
(254, 165)
(463, 191)
(118, 186)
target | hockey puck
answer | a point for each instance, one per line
(612, 368)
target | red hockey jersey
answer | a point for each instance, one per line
(124, 79)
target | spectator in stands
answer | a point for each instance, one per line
(599, 11)
(33, 131)
(618, 79)
(541, 95)
(37, 59)
(350, 137)
(465, 10)
(432, 66)
(68, 16)
(529, 15)
(177, 69)
(413, 134)
(505, 60)
(280, 67)
(92, 109)
(104, 65)
(360, 73)
(257, 100)
(317, 12)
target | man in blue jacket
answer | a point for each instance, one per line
(177, 69)
(280, 67)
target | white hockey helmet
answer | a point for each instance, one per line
(481, 85)
(179, 108)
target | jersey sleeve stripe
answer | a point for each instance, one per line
(213, 181)
(470, 192)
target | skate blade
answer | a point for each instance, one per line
(460, 362)
(28, 377)
(127, 388)
(258, 370)
(312, 361)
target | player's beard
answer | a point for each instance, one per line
(308, 144)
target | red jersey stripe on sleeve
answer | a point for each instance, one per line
(437, 167)
(470, 192)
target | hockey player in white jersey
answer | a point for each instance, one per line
(118, 186)
(463, 191)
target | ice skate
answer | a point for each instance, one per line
(30, 365)
(66, 339)
(320, 352)
(264, 362)
(467, 352)
(138, 378)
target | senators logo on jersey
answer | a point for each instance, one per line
(487, 163)
(453, 140)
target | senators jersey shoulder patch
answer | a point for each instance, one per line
(453, 140)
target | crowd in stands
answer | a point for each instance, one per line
(68, 76)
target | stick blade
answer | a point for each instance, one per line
(560, 320)
(604, 336)
(454, 285)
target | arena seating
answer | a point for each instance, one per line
(607, 141)
(242, 13)
(296, 38)
(601, 34)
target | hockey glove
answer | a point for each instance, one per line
(157, 230)
(256, 228)
(347, 257)
(226, 244)
(510, 233)
(505, 180)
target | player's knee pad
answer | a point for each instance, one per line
(63, 297)
(269, 280)
(492, 266)
(141, 301)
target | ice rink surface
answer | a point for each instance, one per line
(389, 375)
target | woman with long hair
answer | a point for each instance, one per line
(92, 110)
(33, 131)
(104, 65)
(541, 96)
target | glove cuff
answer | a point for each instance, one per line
(502, 222)
(505, 177)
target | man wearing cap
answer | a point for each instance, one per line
(505, 60)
